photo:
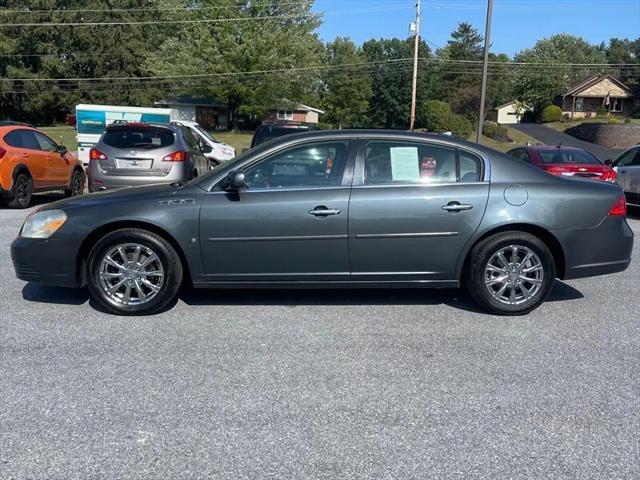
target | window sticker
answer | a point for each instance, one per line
(404, 164)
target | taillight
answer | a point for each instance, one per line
(179, 156)
(95, 154)
(2, 152)
(619, 209)
(610, 176)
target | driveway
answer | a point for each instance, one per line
(322, 384)
(549, 136)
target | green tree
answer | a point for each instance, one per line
(538, 86)
(625, 51)
(466, 44)
(346, 90)
(91, 51)
(241, 36)
(390, 103)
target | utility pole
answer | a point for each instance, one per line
(414, 83)
(485, 64)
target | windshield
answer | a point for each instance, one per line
(559, 156)
(204, 133)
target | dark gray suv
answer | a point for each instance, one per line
(133, 154)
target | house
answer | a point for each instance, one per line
(207, 111)
(509, 113)
(606, 91)
(295, 112)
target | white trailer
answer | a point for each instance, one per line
(91, 120)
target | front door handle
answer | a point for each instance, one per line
(456, 207)
(322, 211)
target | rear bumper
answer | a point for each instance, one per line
(598, 251)
(99, 181)
(50, 261)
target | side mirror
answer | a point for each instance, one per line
(205, 148)
(62, 150)
(235, 181)
(608, 161)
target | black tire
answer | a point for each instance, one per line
(22, 191)
(482, 253)
(76, 184)
(169, 259)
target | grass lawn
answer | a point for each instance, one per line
(239, 140)
(519, 139)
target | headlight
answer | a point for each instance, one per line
(43, 224)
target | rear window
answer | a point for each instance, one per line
(266, 133)
(147, 138)
(567, 157)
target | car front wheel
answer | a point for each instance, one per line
(134, 272)
(76, 185)
(510, 273)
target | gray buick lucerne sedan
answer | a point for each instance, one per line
(335, 209)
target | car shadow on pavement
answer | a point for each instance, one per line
(456, 298)
(36, 292)
(40, 199)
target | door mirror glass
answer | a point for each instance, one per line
(235, 181)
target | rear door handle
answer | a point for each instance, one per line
(623, 171)
(322, 211)
(456, 207)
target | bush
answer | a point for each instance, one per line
(438, 117)
(552, 113)
(601, 111)
(614, 120)
(496, 131)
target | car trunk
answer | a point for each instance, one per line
(138, 150)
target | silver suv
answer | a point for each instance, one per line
(132, 154)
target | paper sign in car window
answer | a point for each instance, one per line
(404, 164)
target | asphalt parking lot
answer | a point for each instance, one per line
(320, 384)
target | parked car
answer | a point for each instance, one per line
(336, 209)
(217, 152)
(135, 153)
(566, 161)
(270, 130)
(627, 165)
(31, 162)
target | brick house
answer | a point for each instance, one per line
(606, 91)
(296, 112)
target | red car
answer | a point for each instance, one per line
(566, 161)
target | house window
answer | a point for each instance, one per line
(615, 105)
(285, 115)
(579, 104)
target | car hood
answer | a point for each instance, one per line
(122, 195)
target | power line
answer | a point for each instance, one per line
(202, 20)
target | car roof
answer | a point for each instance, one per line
(383, 134)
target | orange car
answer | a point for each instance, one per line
(32, 162)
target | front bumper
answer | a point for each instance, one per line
(597, 251)
(51, 261)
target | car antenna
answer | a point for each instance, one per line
(559, 145)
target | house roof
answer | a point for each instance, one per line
(288, 104)
(590, 82)
(201, 101)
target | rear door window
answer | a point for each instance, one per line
(388, 163)
(145, 138)
(22, 139)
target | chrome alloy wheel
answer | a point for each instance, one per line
(514, 275)
(131, 274)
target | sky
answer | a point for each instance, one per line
(517, 24)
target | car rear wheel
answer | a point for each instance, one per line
(76, 185)
(22, 191)
(134, 272)
(510, 273)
